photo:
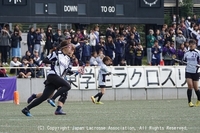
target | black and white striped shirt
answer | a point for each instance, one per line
(62, 63)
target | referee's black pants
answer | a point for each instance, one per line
(53, 82)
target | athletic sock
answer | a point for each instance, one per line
(189, 95)
(97, 95)
(99, 98)
(34, 96)
(198, 94)
(58, 108)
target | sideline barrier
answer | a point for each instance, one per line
(127, 83)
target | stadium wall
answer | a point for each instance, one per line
(125, 83)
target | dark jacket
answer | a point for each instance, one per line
(37, 38)
(30, 38)
(15, 41)
(109, 49)
(86, 50)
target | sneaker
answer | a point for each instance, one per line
(30, 98)
(93, 99)
(197, 103)
(99, 103)
(26, 112)
(191, 104)
(60, 112)
(4, 63)
(52, 102)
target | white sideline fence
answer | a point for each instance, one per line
(125, 83)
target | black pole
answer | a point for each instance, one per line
(177, 12)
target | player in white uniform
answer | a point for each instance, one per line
(103, 72)
(192, 57)
(60, 62)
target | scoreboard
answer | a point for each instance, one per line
(83, 11)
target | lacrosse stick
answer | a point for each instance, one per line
(197, 65)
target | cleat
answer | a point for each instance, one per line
(26, 112)
(30, 98)
(99, 103)
(191, 104)
(60, 112)
(197, 103)
(93, 99)
(51, 102)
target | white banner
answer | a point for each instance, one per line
(136, 77)
(180, 76)
(120, 77)
(131, 77)
(152, 75)
(88, 79)
(167, 76)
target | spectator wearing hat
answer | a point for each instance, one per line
(180, 39)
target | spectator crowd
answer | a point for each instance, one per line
(122, 44)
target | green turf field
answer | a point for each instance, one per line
(162, 116)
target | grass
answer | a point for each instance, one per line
(163, 116)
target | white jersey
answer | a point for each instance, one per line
(61, 65)
(192, 58)
(102, 74)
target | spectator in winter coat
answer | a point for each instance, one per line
(49, 39)
(139, 55)
(130, 53)
(15, 43)
(119, 46)
(4, 45)
(168, 52)
(30, 39)
(38, 39)
(110, 47)
(150, 42)
(156, 50)
(101, 45)
(86, 54)
(180, 39)
(93, 39)
(180, 53)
